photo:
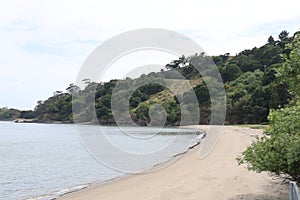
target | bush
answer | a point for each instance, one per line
(278, 151)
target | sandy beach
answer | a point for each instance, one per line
(216, 177)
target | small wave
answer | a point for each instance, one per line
(55, 195)
(63, 192)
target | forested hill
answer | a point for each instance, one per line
(249, 78)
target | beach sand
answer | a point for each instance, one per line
(216, 177)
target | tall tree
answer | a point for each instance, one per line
(278, 151)
(289, 73)
(283, 35)
(230, 72)
(271, 40)
(176, 64)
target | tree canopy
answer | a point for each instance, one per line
(251, 86)
(278, 151)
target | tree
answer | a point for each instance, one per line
(9, 114)
(284, 38)
(251, 91)
(278, 150)
(72, 88)
(230, 72)
(289, 73)
(134, 101)
(271, 40)
(28, 114)
(283, 35)
(176, 64)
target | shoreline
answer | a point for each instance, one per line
(88, 186)
(77, 188)
(216, 177)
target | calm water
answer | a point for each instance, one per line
(41, 161)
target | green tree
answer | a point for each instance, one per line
(135, 101)
(9, 114)
(278, 150)
(230, 72)
(284, 38)
(251, 91)
(72, 88)
(283, 35)
(289, 73)
(271, 40)
(176, 64)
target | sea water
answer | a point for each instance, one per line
(43, 161)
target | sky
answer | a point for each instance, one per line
(44, 43)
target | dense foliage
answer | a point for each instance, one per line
(8, 114)
(278, 151)
(249, 78)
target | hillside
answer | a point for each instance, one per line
(249, 78)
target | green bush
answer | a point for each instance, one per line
(278, 151)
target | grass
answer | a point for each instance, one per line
(254, 126)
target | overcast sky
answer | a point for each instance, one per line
(44, 43)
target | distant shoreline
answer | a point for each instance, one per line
(20, 120)
(38, 121)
